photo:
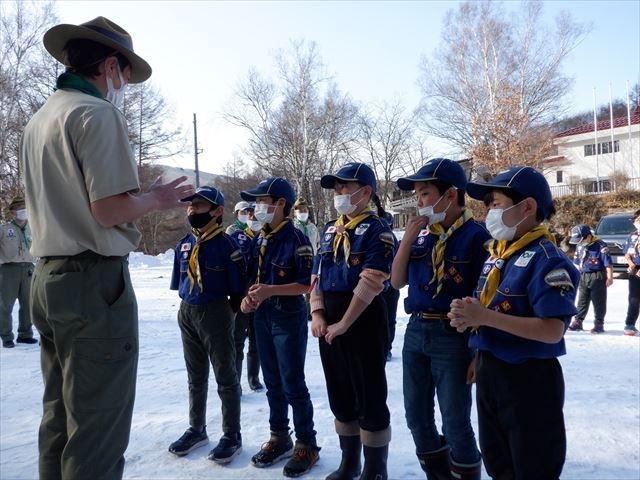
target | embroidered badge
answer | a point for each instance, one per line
(331, 229)
(420, 240)
(185, 247)
(11, 233)
(559, 278)
(424, 232)
(524, 259)
(360, 229)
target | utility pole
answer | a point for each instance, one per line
(196, 151)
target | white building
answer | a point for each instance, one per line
(579, 167)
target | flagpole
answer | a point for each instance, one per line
(613, 150)
(595, 133)
(629, 125)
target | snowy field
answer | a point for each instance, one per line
(602, 408)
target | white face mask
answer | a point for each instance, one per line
(637, 225)
(302, 216)
(262, 213)
(433, 217)
(116, 95)
(21, 214)
(255, 225)
(342, 203)
(496, 226)
(243, 218)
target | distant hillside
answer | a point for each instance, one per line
(206, 178)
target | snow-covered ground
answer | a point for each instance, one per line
(602, 376)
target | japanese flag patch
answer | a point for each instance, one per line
(185, 247)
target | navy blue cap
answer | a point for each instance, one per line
(210, 194)
(275, 187)
(579, 233)
(441, 169)
(526, 181)
(351, 172)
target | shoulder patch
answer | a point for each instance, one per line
(387, 237)
(524, 258)
(559, 278)
(304, 251)
(236, 256)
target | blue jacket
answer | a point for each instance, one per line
(593, 257)
(221, 266)
(373, 245)
(288, 258)
(537, 281)
(632, 247)
(464, 256)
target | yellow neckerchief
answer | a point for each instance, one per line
(437, 253)
(249, 233)
(342, 238)
(265, 240)
(194, 266)
(501, 250)
(594, 239)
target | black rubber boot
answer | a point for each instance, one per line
(466, 472)
(350, 463)
(437, 464)
(253, 369)
(375, 463)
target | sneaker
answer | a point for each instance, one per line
(228, 448)
(278, 447)
(304, 457)
(190, 440)
(597, 329)
(8, 344)
(575, 326)
(255, 385)
(630, 330)
(29, 340)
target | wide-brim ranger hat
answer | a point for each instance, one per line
(351, 172)
(526, 181)
(103, 31)
(16, 202)
(440, 169)
(210, 194)
(275, 187)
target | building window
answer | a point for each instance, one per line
(603, 148)
(592, 186)
(558, 176)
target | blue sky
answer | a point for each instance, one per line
(199, 50)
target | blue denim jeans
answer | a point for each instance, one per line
(435, 359)
(281, 336)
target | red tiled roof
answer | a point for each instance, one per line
(603, 125)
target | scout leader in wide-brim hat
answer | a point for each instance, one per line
(103, 31)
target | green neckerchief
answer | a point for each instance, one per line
(23, 240)
(76, 82)
(240, 225)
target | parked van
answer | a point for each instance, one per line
(615, 229)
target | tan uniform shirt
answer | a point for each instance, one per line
(15, 243)
(75, 150)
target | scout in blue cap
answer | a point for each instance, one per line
(521, 308)
(279, 271)
(440, 256)
(208, 272)
(596, 274)
(349, 318)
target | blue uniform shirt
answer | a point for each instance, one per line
(525, 290)
(221, 267)
(632, 247)
(288, 258)
(464, 256)
(372, 246)
(593, 257)
(243, 239)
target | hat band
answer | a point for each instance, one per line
(113, 36)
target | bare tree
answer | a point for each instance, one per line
(386, 136)
(299, 126)
(27, 75)
(495, 79)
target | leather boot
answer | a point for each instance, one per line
(253, 369)
(460, 471)
(350, 463)
(437, 464)
(375, 463)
